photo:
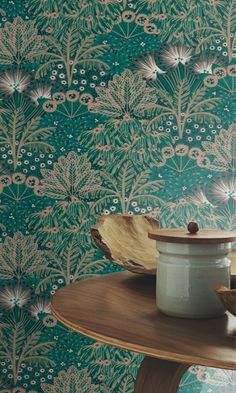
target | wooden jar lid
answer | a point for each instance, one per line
(204, 236)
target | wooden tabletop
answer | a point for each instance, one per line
(204, 236)
(119, 309)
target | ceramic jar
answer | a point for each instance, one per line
(189, 267)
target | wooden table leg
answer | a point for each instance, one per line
(159, 376)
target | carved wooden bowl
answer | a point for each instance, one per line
(232, 257)
(228, 296)
(124, 240)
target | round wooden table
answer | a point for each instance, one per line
(120, 309)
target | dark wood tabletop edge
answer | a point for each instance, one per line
(136, 348)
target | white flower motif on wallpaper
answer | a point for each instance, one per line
(42, 306)
(19, 41)
(176, 55)
(222, 152)
(204, 64)
(14, 81)
(223, 189)
(72, 179)
(14, 296)
(148, 68)
(221, 192)
(73, 381)
(172, 57)
(200, 199)
(39, 92)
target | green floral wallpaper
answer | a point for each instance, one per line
(106, 106)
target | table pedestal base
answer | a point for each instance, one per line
(159, 376)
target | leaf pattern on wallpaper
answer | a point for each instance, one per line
(124, 101)
(222, 151)
(20, 343)
(128, 185)
(73, 381)
(184, 98)
(62, 223)
(106, 107)
(89, 15)
(72, 179)
(107, 143)
(20, 257)
(177, 20)
(103, 360)
(155, 6)
(2, 209)
(222, 24)
(227, 215)
(20, 41)
(73, 50)
(180, 18)
(126, 385)
(192, 208)
(20, 129)
(218, 378)
(71, 263)
(125, 104)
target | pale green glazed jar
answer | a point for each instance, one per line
(189, 267)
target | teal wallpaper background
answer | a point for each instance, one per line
(106, 106)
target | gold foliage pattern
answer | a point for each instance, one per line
(19, 41)
(106, 107)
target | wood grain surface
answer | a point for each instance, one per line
(159, 376)
(119, 309)
(181, 235)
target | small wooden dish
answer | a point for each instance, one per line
(124, 240)
(232, 257)
(227, 296)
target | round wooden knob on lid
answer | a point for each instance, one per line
(192, 235)
(193, 227)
